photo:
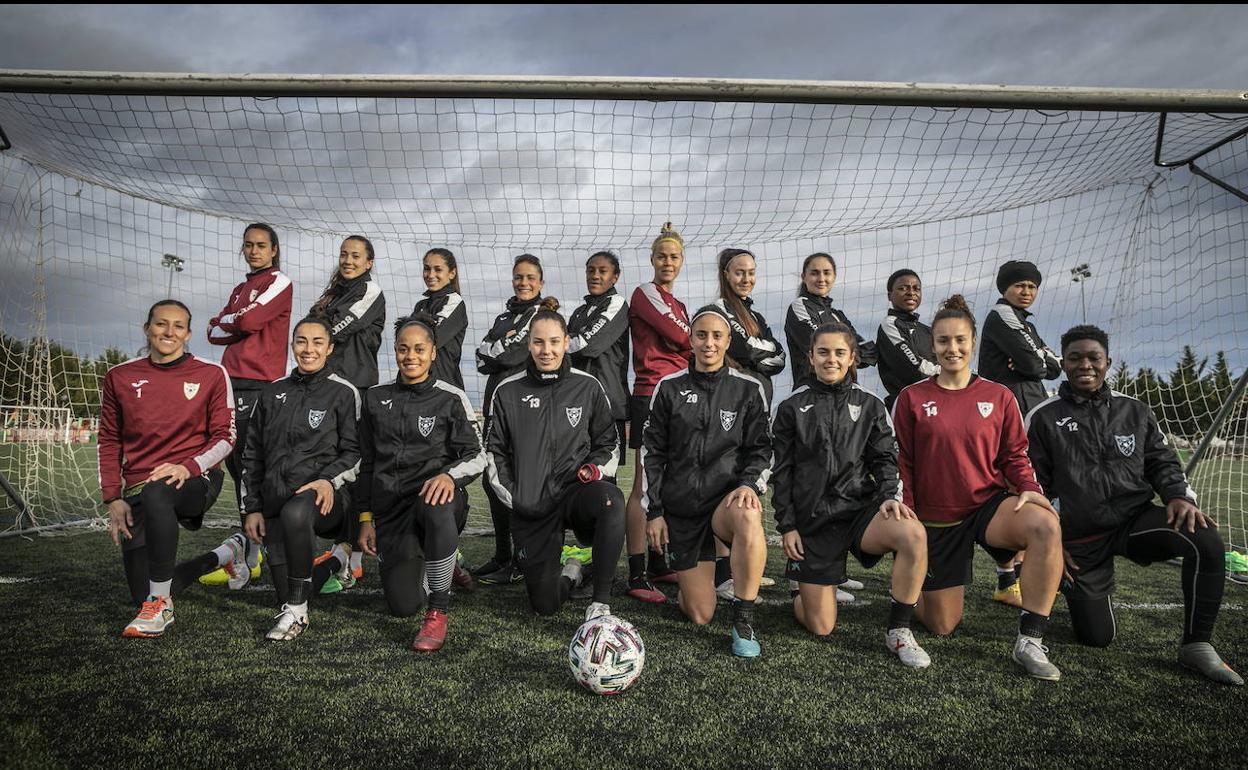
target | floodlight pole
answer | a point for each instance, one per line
(174, 264)
(1080, 275)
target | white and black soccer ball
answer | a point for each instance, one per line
(606, 655)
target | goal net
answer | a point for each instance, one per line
(97, 188)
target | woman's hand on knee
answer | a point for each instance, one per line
(895, 509)
(1180, 512)
(745, 497)
(324, 494)
(438, 490)
(1036, 499)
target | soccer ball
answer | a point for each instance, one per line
(606, 655)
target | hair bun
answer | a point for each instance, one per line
(956, 302)
(549, 303)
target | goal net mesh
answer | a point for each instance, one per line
(95, 189)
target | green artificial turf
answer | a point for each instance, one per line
(350, 693)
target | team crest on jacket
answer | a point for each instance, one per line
(254, 293)
(574, 415)
(855, 411)
(1126, 444)
(189, 389)
(727, 419)
(315, 416)
(425, 424)
(985, 408)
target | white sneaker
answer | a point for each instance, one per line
(239, 574)
(345, 575)
(1033, 657)
(154, 617)
(766, 582)
(726, 591)
(289, 625)
(597, 610)
(852, 585)
(901, 641)
(844, 597)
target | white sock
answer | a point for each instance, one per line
(159, 589)
(357, 559)
(300, 610)
(224, 554)
(340, 554)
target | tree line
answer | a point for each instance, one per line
(1186, 398)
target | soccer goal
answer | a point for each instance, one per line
(1131, 202)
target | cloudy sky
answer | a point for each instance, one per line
(106, 243)
(1132, 46)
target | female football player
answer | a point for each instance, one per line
(254, 326)
(444, 303)
(706, 455)
(598, 334)
(837, 492)
(965, 472)
(551, 446)
(166, 425)
(354, 307)
(301, 452)
(501, 354)
(659, 326)
(903, 342)
(812, 309)
(753, 348)
(419, 447)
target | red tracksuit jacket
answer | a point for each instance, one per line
(255, 326)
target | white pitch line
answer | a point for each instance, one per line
(6, 580)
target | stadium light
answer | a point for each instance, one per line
(174, 263)
(1080, 275)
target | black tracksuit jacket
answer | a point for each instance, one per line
(1009, 338)
(1101, 459)
(448, 309)
(708, 434)
(904, 346)
(760, 355)
(303, 428)
(499, 356)
(806, 314)
(356, 316)
(410, 434)
(599, 345)
(543, 427)
(835, 455)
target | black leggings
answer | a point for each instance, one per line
(416, 545)
(595, 513)
(290, 545)
(158, 510)
(1149, 539)
(245, 400)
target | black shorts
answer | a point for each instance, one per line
(539, 540)
(951, 549)
(401, 530)
(826, 547)
(638, 413)
(690, 539)
(1095, 557)
(190, 503)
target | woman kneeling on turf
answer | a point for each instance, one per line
(837, 491)
(551, 442)
(706, 454)
(965, 472)
(301, 450)
(419, 447)
(166, 425)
